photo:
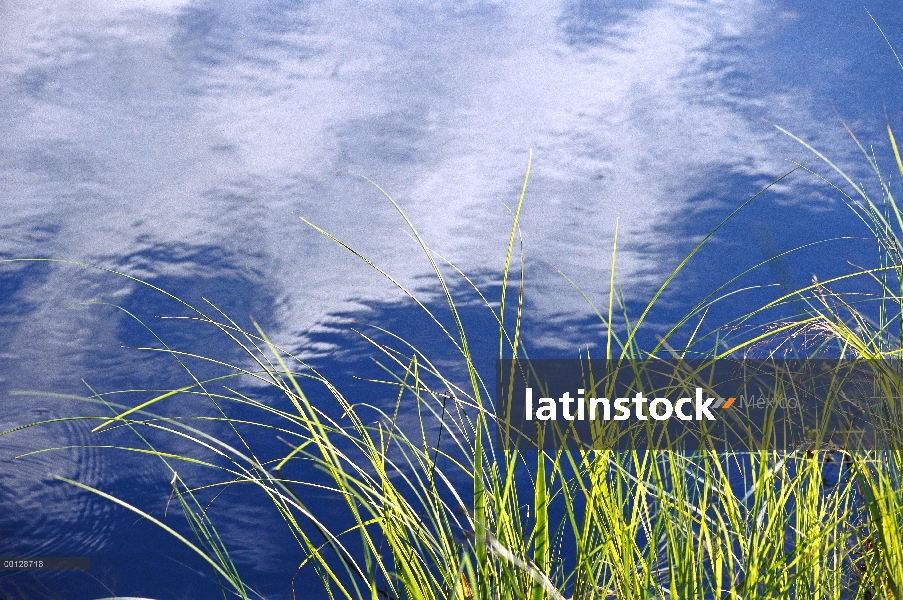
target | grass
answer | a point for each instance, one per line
(438, 509)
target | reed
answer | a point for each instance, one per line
(437, 508)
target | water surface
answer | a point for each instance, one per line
(179, 142)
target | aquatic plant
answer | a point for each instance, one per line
(438, 508)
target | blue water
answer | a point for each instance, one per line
(178, 142)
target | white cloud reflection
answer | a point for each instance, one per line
(131, 127)
(215, 126)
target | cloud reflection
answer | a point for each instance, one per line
(179, 141)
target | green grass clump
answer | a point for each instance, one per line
(439, 509)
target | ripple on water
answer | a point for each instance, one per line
(40, 516)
